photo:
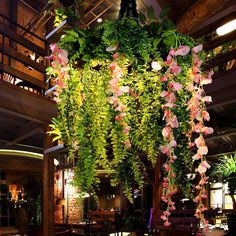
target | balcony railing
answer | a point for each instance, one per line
(22, 58)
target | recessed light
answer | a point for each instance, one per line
(226, 28)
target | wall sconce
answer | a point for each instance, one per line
(17, 194)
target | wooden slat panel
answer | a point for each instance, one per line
(21, 75)
(22, 103)
(24, 42)
(219, 41)
(24, 59)
(220, 59)
(221, 81)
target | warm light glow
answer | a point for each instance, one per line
(99, 20)
(226, 28)
(56, 162)
(21, 153)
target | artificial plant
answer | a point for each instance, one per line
(129, 92)
(225, 169)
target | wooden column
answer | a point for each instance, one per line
(156, 193)
(198, 13)
(48, 190)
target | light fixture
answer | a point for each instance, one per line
(21, 153)
(226, 28)
(56, 162)
(99, 20)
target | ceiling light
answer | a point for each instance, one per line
(99, 20)
(226, 28)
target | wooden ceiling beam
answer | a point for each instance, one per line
(21, 103)
(198, 13)
(26, 135)
(215, 21)
(220, 59)
(219, 41)
(221, 82)
(26, 131)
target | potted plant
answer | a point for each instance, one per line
(225, 169)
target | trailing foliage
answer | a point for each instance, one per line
(128, 94)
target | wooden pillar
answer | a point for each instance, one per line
(198, 13)
(48, 190)
(156, 193)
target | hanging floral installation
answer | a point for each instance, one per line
(128, 94)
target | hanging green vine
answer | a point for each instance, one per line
(125, 92)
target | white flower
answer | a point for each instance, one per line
(156, 66)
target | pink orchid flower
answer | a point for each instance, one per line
(207, 99)
(167, 114)
(113, 100)
(165, 150)
(172, 143)
(120, 116)
(166, 132)
(163, 217)
(206, 81)
(172, 208)
(114, 83)
(198, 48)
(116, 55)
(198, 127)
(117, 73)
(172, 52)
(176, 69)
(197, 78)
(171, 98)
(200, 141)
(169, 60)
(206, 164)
(121, 107)
(203, 180)
(173, 122)
(175, 85)
(126, 130)
(207, 130)
(204, 196)
(63, 57)
(164, 78)
(206, 115)
(197, 156)
(166, 167)
(54, 48)
(61, 84)
(165, 94)
(167, 223)
(166, 213)
(164, 199)
(190, 87)
(182, 51)
(202, 150)
(127, 144)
